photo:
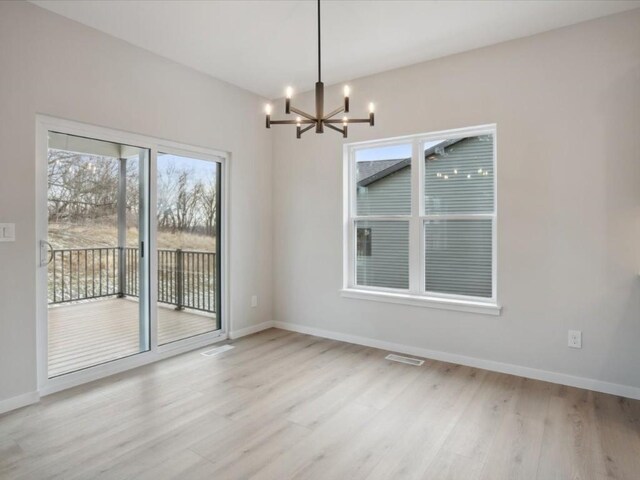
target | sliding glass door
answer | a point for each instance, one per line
(97, 228)
(131, 250)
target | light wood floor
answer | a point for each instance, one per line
(90, 333)
(289, 406)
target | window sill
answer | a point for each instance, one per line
(423, 301)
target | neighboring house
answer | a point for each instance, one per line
(384, 188)
(458, 180)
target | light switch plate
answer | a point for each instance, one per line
(7, 232)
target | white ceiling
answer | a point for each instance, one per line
(265, 45)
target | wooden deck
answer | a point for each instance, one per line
(87, 334)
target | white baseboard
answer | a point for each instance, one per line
(243, 332)
(521, 371)
(19, 401)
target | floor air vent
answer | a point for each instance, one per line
(216, 351)
(408, 360)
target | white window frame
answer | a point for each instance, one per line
(416, 294)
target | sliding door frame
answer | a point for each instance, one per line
(44, 124)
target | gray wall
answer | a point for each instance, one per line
(567, 108)
(55, 66)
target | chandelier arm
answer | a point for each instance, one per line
(302, 130)
(292, 122)
(350, 120)
(304, 114)
(335, 128)
(334, 113)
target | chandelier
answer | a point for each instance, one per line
(320, 119)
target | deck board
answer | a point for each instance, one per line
(90, 333)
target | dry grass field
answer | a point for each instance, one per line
(65, 235)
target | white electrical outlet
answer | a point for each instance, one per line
(575, 339)
(254, 301)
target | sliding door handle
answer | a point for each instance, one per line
(45, 247)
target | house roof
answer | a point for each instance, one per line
(373, 170)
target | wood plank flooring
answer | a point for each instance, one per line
(284, 406)
(90, 333)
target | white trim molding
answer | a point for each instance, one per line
(423, 301)
(243, 332)
(19, 401)
(492, 365)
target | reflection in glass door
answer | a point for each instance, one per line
(188, 246)
(97, 271)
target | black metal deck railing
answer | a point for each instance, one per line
(186, 278)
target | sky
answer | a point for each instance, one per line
(391, 152)
(201, 169)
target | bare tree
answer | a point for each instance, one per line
(85, 188)
(210, 206)
(81, 187)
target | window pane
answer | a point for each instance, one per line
(458, 257)
(383, 180)
(459, 176)
(188, 206)
(382, 257)
(97, 278)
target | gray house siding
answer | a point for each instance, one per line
(458, 254)
(388, 264)
(458, 194)
(458, 257)
(390, 195)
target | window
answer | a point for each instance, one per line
(420, 220)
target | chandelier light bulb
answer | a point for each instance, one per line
(289, 92)
(372, 107)
(298, 121)
(267, 109)
(347, 90)
(345, 120)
